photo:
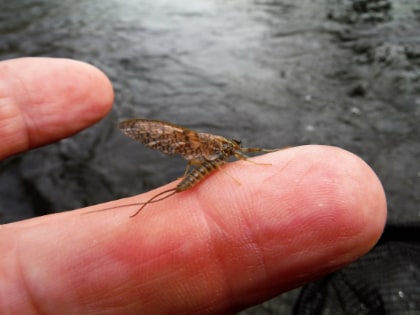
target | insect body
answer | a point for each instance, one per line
(206, 151)
(189, 181)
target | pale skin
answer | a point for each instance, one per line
(203, 251)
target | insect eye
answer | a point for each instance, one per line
(238, 142)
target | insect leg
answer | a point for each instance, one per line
(187, 169)
(191, 162)
(219, 167)
(240, 156)
(258, 150)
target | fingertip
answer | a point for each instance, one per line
(45, 99)
(363, 198)
(326, 198)
(98, 92)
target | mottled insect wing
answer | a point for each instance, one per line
(166, 137)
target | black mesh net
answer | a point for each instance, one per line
(385, 281)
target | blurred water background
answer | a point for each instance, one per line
(271, 73)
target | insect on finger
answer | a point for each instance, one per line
(205, 151)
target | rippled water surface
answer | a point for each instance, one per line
(272, 73)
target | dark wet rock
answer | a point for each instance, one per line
(271, 73)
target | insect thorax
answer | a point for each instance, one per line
(214, 147)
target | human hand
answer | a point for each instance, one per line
(215, 249)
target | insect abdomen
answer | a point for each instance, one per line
(197, 174)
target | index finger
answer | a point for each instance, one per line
(44, 99)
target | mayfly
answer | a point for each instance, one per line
(205, 151)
